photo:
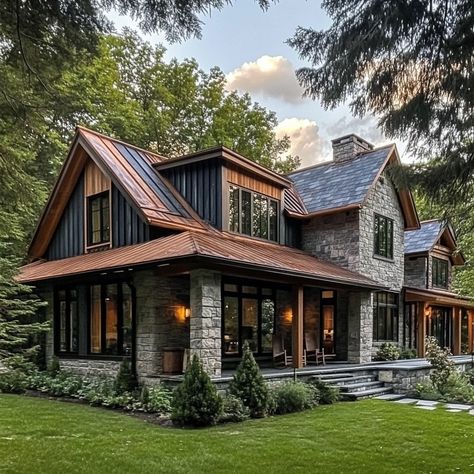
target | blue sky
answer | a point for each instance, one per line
(249, 46)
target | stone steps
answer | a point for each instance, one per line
(361, 387)
(348, 380)
(360, 395)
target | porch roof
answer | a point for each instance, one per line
(445, 298)
(210, 248)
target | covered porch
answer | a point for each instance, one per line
(441, 314)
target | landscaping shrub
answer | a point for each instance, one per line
(388, 351)
(328, 394)
(233, 410)
(443, 366)
(458, 389)
(54, 367)
(407, 353)
(291, 397)
(125, 382)
(248, 385)
(470, 375)
(196, 401)
(159, 400)
(13, 381)
(426, 391)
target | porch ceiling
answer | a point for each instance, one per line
(439, 297)
(215, 248)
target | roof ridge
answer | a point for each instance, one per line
(123, 142)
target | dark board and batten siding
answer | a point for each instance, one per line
(68, 239)
(128, 227)
(201, 185)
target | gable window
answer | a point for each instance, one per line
(253, 214)
(110, 325)
(439, 276)
(385, 316)
(67, 324)
(383, 236)
(98, 219)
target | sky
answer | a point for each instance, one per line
(249, 45)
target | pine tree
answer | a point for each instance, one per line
(249, 386)
(19, 323)
(196, 401)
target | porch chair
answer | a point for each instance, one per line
(312, 353)
(280, 357)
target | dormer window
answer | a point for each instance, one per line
(98, 219)
(440, 273)
(253, 214)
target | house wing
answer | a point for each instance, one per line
(335, 186)
(131, 171)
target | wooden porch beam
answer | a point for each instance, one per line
(456, 330)
(421, 329)
(297, 326)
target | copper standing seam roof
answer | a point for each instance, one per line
(221, 247)
(437, 297)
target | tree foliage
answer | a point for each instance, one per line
(410, 63)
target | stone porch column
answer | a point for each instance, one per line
(360, 327)
(206, 319)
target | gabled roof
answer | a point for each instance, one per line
(212, 247)
(335, 186)
(424, 239)
(131, 171)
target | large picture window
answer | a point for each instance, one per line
(248, 316)
(383, 236)
(253, 214)
(385, 316)
(110, 319)
(98, 219)
(67, 324)
(440, 273)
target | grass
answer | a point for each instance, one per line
(38, 435)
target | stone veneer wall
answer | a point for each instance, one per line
(415, 272)
(206, 319)
(360, 327)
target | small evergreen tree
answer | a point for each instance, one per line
(19, 323)
(196, 401)
(125, 380)
(248, 385)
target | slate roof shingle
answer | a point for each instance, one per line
(333, 185)
(423, 239)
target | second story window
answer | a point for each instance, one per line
(439, 276)
(253, 214)
(383, 236)
(98, 219)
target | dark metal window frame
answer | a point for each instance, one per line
(57, 319)
(104, 227)
(383, 224)
(238, 228)
(103, 317)
(240, 295)
(377, 304)
(439, 272)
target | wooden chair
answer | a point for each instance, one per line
(280, 357)
(312, 353)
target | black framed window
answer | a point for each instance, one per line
(439, 275)
(110, 319)
(383, 236)
(248, 316)
(253, 214)
(67, 321)
(98, 219)
(385, 316)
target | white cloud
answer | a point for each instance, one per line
(305, 139)
(270, 76)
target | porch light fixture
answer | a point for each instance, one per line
(187, 313)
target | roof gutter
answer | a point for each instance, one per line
(324, 212)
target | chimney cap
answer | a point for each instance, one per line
(352, 137)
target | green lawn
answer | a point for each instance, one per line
(38, 435)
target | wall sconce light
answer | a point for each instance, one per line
(288, 315)
(187, 313)
(428, 312)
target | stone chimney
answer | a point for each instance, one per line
(348, 147)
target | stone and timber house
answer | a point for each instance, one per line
(149, 258)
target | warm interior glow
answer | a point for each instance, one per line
(287, 315)
(187, 313)
(180, 313)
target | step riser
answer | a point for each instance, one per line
(345, 382)
(363, 388)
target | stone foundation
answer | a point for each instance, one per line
(91, 368)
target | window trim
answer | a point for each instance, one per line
(375, 312)
(389, 241)
(445, 264)
(89, 231)
(253, 195)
